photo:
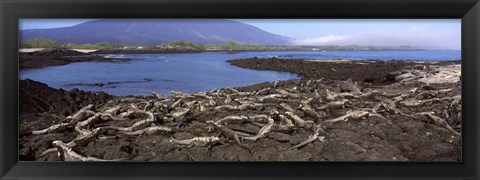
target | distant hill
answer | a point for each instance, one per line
(157, 31)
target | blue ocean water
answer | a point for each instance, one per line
(193, 72)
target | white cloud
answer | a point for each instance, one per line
(332, 38)
(412, 36)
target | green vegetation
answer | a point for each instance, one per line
(40, 43)
(181, 43)
(229, 46)
(48, 43)
(102, 45)
(249, 47)
(185, 44)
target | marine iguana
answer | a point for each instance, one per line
(197, 141)
(67, 154)
(54, 128)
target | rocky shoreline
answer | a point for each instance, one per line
(36, 58)
(338, 111)
(57, 57)
(366, 71)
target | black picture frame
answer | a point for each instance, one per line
(12, 10)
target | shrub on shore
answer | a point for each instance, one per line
(48, 43)
(40, 43)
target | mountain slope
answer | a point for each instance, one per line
(156, 31)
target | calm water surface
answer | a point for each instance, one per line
(193, 72)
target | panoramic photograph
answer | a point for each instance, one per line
(180, 90)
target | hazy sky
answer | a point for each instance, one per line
(439, 33)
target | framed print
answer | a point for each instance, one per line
(223, 89)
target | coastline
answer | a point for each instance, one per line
(395, 137)
(57, 57)
(44, 57)
(367, 71)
